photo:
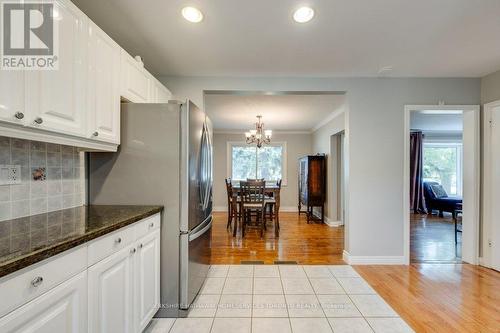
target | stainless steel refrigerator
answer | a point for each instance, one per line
(165, 158)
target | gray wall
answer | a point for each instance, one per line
(297, 145)
(490, 88)
(375, 136)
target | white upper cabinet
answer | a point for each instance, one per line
(57, 98)
(103, 87)
(159, 94)
(135, 80)
(12, 96)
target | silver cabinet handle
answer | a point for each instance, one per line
(118, 240)
(95, 133)
(38, 120)
(19, 115)
(133, 250)
(37, 281)
(140, 246)
(151, 225)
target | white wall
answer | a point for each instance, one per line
(297, 145)
(375, 131)
(490, 88)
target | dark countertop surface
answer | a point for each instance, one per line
(28, 240)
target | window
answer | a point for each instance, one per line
(442, 163)
(248, 161)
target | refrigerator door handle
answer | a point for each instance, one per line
(208, 169)
(207, 224)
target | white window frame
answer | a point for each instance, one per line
(284, 158)
(451, 144)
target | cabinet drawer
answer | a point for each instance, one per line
(35, 280)
(109, 244)
(147, 225)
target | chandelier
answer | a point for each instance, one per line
(258, 135)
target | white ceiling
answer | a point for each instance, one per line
(279, 112)
(423, 38)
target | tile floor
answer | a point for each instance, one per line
(285, 298)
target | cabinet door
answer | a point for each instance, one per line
(12, 90)
(147, 274)
(104, 90)
(111, 293)
(135, 80)
(57, 98)
(62, 309)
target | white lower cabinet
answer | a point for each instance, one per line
(62, 309)
(147, 272)
(111, 293)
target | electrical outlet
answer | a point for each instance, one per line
(10, 174)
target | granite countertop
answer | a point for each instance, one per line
(28, 240)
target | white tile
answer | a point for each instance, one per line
(308, 325)
(317, 271)
(373, 306)
(232, 325)
(389, 325)
(297, 286)
(326, 286)
(235, 306)
(271, 325)
(292, 271)
(160, 325)
(304, 306)
(212, 286)
(350, 325)
(356, 286)
(266, 271)
(244, 271)
(238, 286)
(269, 306)
(219, 271)
(343, 271)
(204, 305)
(267, 286)
(192, 325)
(338, 306)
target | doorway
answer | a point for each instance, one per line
(441, 178)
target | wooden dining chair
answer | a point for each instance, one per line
(253, 203)
(232, 205)
(274, 205)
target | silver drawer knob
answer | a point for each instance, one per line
(38, 120)
(118, 240)
(95, 133)
(151, 225)
(133, 250)
(140, 246)
(37, 281)
(19, 115)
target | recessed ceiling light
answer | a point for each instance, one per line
(192, 14)
(303, 14)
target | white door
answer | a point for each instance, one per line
(491, 194)
(56, 98)
(104, 90)
(111, 288)
(62, 309)
(12, 90)
(147, 278)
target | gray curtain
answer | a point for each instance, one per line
(417, 200)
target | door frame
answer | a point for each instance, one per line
(471, 170)
(487, 231)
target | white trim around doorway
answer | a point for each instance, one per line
(471, 183)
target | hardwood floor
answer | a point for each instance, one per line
(313, 243)
(432, 239)
(440, 297)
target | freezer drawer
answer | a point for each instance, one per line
(195, 261)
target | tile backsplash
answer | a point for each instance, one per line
(52, 178)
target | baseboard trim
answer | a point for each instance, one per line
(219, 209)
(372, 260)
